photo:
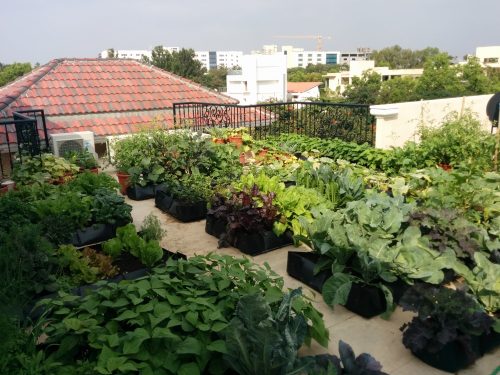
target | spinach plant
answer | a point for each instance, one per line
(169, 322)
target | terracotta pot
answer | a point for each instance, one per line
(243, 158)
(94, 170)
(446, 167)
(3, 189)
(219, 141)
(263, 152)
(124, 181)
(236, 139)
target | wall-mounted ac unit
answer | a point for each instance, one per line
(77, 141)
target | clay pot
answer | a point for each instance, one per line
(445, 167)
(124, 181)
(219, 141)
(236, 139)
(262, 152)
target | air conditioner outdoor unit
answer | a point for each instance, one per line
(77, 141)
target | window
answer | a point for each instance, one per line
(491, 60)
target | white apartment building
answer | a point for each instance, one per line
(302, 91)
(298, 58)
(261, 78)
(215, 59)
(489, 56)
(339, 81)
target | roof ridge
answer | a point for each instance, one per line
(38, 74)
(186, 80)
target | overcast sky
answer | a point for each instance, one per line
(40, 30)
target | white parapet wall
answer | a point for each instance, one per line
(398, 123)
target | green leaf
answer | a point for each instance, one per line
(127, 315)
(336, 289)
(189, 346)
(217, 346)
(189, 369)
(134, 340)
(192, 317)
(218, 326)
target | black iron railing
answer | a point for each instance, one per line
(349, 122)
(25, 134)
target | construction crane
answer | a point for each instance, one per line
(319, 39)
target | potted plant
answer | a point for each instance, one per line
(84, 159)
(248, 218)
(447, 330)
(236, 136)
(219, 135)
(184, 198)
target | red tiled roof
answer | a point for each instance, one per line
(114, 95)
(301, 86)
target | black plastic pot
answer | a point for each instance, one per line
(187, 212)
(163, 199)
(451, 358)
(140, 193)
(258, 243)
(300, 266)
(215, 227)
(489, 342)
(93, 234)
(366, 300)
(397, 288)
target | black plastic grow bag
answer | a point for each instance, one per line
(140, 193)
(300, 266)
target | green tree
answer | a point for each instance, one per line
(474, 78)
(181, 63)
(215, 78)
(111, 54)
(10, 72)
(440, 79)
(396, 57)
(397, 90)
(364, 89)
(313, 72)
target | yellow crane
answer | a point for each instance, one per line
(319, 39)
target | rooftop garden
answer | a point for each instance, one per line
(84, 291)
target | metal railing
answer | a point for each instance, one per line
(349, 122)
(25, 134)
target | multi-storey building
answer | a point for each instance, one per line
(215, 59)
(261, 78)
(361, 54)
(489, 56)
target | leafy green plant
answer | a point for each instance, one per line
(44, 168)
(151, 228)
(112, 247)
(168, 322)
(262, 341)
(444, 315)
(110, 208)
(102, 262)
(83, 159)
(89, 183)
(80, 270)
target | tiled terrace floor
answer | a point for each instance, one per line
(376, 336)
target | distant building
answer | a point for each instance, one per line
(261, 78)
(361, 54)
(298, 58)
(302, 91)
(489, 56)
(215, 59)
(339, 81)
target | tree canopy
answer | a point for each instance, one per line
(10, 72)
(440, 79)
(313, 72)
(396, 57)
(181, 63)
